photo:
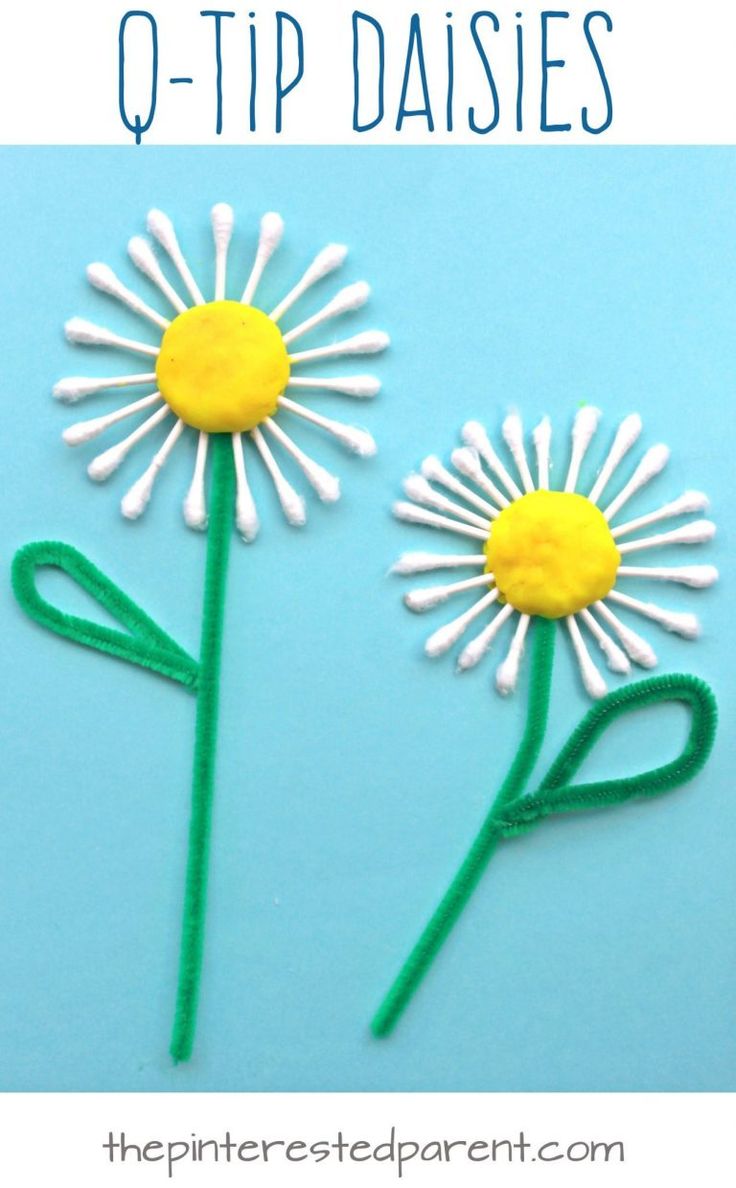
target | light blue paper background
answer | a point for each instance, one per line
(600, 952)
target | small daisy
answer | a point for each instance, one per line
(222, 367)
(559, 554)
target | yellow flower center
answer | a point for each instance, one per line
(552, 553)
(222, 367)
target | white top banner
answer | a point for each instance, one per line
(381, 72)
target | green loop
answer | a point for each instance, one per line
(557, 794)
(143, 643)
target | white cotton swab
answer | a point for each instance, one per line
(84, 431)
(293, 505)
(635, 647)
(542, 438)
(271, 234)
(102, 277)
(474, 435)
(410, 563)
(616, 659)
(417, 488)
(448, 635)
(101, 467)
(246, 515)
(325, 484)
(135, 501)
(362, 386)
(474, 651)
(357, 440)
(74, 387)
(651, 464)
(698, 577)
(411, 514)
(433, 470)
(425, 599)
(162, 229)
(681, 623)
(141, 253)
(194, 507)
(222, 217)
(325, 262)
(592, 679)
(695, 533)
(507, 673)
(467, 462)
(512, 431)
(690, 501)
(348, 299)
(85, 333)
(584, 426)
(370, 342)
(626, 435)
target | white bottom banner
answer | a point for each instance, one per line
(640, 1140)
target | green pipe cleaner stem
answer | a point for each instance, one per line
(482, 849)
(203, 779)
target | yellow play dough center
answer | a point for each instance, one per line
(551, 554)
(222, 367)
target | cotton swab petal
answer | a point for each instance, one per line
(616, 659)
(694, 533)
(101, 467)
(348, 299)
(323, 264)
(325, 484)
(425, 599)
(626, 435)
(412, 514)
(293, 505)
(690, 501)
(467, 462)
(357, 440)
(74, 387)
(474, 435)
(102, 277)
(417, 488)
(162, 229)
(698, 577)
(362, 386)
(474, 651)
(84, 431)
(85, 333)
(635, 647)
(651, 464)
(135, 501)
(410, 563)
(271, 233)
(141, 253)
(246, 514)
(433, 470)
(542, 438)
(512, 431)
(682, 624)
(592, 679)
(194, 508)
(507, 673)
(222, 217)
(370, 342)
(584, 426)
(446, 636)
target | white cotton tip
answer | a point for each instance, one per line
(433, 469)
(162, 229)
(682, 624)
(362, 386)
(698, 577)
(81, 331)
(101, 467)
(474, 435)
(295, 508)
(691, 501)
(84, 431)
(418, 489)
(628, 432)
(135, 501)
(476, 649)
(637, 648)
(654, 461)
(223, 221)
(325, 262)
(246, 518)
(357, 440)
(74, 387)
(467, 462)
(410, 563)
(194, 507)
(102, 277)
(542, 433)
(325, 484)
(616, 658)
(594, 683)
(141, 253)
(507, 674)
(585, 423)
(350, 298)
(696, 532)
(370, 342)
(425, 599)
(272, 231)
(443, 639)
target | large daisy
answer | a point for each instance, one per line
(558, 554)
(222, 367)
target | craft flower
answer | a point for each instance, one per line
(560, 555)
(222, 367)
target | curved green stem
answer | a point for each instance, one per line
(479, 855)
(203, 780)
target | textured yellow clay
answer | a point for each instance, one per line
(222, 367)
(552, 554)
